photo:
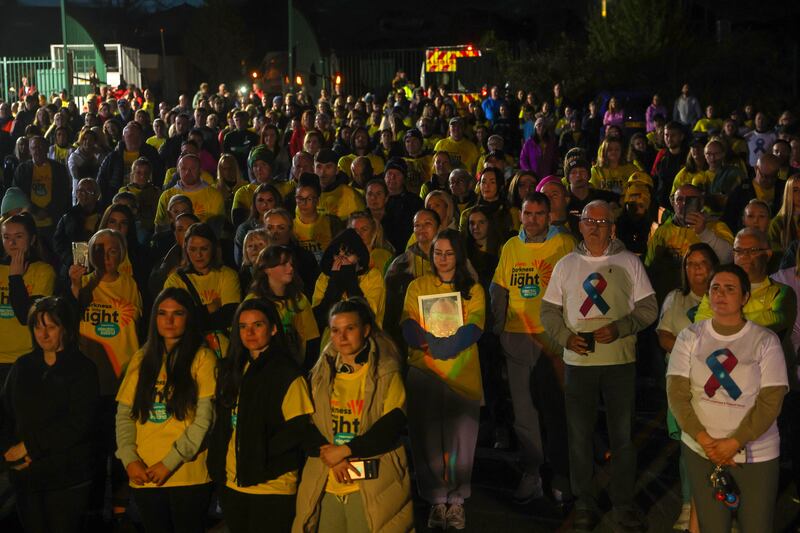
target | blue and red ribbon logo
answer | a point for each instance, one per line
(594, 294)
(721, 374)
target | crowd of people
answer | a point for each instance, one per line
(266, 301)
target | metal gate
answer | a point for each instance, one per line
(373, 71)
(45, 74)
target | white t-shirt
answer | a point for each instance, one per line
(595, 291)
(721, 404)
(678, 311)
(759, 144)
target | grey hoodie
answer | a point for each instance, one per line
(644, 313)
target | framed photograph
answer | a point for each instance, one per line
(442, 314)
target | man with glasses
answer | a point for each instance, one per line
(763, 186)
(519, 283)
(771, 304)
(598, 299)
(79, 223)
(671, 240)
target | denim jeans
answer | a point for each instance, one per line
(583, 387)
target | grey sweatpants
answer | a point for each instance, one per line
(522, 353)
(443, 427)
(758, 483)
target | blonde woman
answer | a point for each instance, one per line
(381, 251)
(611, 171)
(784, 227)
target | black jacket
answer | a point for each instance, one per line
(111, 175)
(740, 196)
(399, 218)
(52, 410)
(267, 445)
(71, 228)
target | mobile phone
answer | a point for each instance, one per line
(588, 336)
(692, 205)
(367, 468)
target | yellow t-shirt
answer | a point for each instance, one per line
(524, 270)
(345, 162)
(155, 438)
(341, 202)
(61, 154)
(612, 179)
(419, 171)
(243, 197)
(314, 237)
(347, 404)
(296, 402)
(204, 175)
(702, 179)
(380, 259)
(128, 158)
(207, 203)
(42, 191)
(463, 150)
(156, 142)
(463, 372)
(707, 124)
(39, 280)
(111, 319)
(765, 195)
(222, 284)
(672, 241)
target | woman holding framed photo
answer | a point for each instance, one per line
(444, 380)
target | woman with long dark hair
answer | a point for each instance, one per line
(358, 392)
(277, 280)
(214, 288)
(444, 378)
(491, 199)
(48, 422)
(263, 407)
(164, 411)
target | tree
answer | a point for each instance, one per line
(639, 41)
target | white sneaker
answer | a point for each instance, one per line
(456, 518)
(529, 489)
(682, 524)
(438, 516)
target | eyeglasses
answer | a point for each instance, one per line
(596, 222)
(305, 199)
(749, 251)
(88, 192)
(448, 255)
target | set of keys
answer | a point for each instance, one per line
(725, 488)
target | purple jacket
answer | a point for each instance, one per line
(532, 158)
(650, 115)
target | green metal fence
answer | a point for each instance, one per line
(46, 74)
